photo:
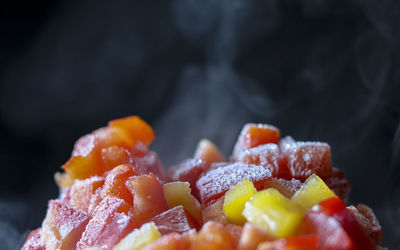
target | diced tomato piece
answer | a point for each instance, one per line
(253, 135)
(216, 165)
(214, 211)
(65, 195)
(338, 183)
(251, 236)
(266, 155)
(337, 173)
(330, 233)
(235, 231)
(108, 224)
(174, 220)
(87, 158)
(187, 238)
(105, 234)
(306, 158)
(368, 222)
(208, 153)
(216, 182)
(112, 136)
(63, 225)
(84, 145)
(330, 206)
(148, 163)
(95, 200)
(82, 191)
(190, 171)
(212, 236)
(353, 229)
(285, 187)
(114, 231)
(110, 205)
(34, 242)
(115, 183)
(336, 208)
(137, 129)
(88, 150)
(286, 142)
(307, 242)
(172, 241)
(139, 149)
(114, 155)
(148, 197)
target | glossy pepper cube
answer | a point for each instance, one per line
(138, 129)
(178, 193)
(273, 212)
(139, 238)
(312, 192)
(235, 199)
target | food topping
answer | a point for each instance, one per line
(273, 194)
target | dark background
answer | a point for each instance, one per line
(317, 69)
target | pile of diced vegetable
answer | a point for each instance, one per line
(273, 193)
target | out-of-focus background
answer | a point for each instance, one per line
(317, 69)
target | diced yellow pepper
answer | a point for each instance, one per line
(235, 199)
(312, 192)
(63, 180)
(178, 193)
(139, 238)
(277, 215)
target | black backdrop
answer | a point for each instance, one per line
(317, 69)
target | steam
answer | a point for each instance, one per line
(392, 198)
(346, 76)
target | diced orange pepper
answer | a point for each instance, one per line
(82, 167)
(138, 129)
(87, 158)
